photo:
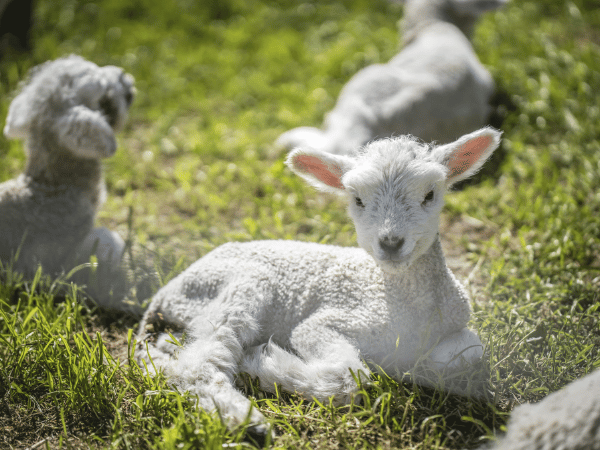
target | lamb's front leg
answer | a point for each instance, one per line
(323, 365)
(107, 245)
(457, 350)
(455, 365)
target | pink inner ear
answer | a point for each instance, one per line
(323, 172)
(468, 154)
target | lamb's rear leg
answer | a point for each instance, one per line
(328, 372)
(206, 367)
(157, 354)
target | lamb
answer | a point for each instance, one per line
(568, 419)
(66, 113)
(304, 315)
(435, 88)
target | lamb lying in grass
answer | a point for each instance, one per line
(568, 419)
(435, 88)
(66, 113)
(304, 316)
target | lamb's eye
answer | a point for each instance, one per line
(359, 202)
(428, 197)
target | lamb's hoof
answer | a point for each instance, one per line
(260, 434)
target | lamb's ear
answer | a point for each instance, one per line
(86, 133)
(19, 117)
(321, 169)
(464, 157)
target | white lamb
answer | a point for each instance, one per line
(568, 419)
(66, 113)
(435, 88)
(304, 315)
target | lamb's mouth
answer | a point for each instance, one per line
(393, 266)
(129, 96)
(110, 111)
(399, 258)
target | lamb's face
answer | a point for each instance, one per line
(77, 101)
(395, 188)
(395, 199)
(108, 90)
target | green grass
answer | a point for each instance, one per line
(217, 82)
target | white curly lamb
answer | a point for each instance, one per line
(435, 88)
(304, 315)
(568, 419)
(66, 113)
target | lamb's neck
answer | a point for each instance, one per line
(431, 266)
(58, 169)
(422, 14)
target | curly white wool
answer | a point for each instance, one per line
(567, 419)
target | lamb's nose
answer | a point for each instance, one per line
(391, 244)
(129, 94)
(128, 81)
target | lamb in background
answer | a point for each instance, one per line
(304, 315)
(568, 419)
(435, 88)
(66, 113)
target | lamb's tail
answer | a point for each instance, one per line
(316, 378)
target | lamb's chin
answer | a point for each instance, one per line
(390, 266)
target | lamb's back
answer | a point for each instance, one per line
(435, 88)
(438, 48)
(290, 278)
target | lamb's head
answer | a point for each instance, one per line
(395, 188)
(462, 13)
(75, 101)
(108, 90)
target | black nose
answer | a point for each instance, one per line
(109, 109)
(129, 97)
(391, 244)
(127, 82)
